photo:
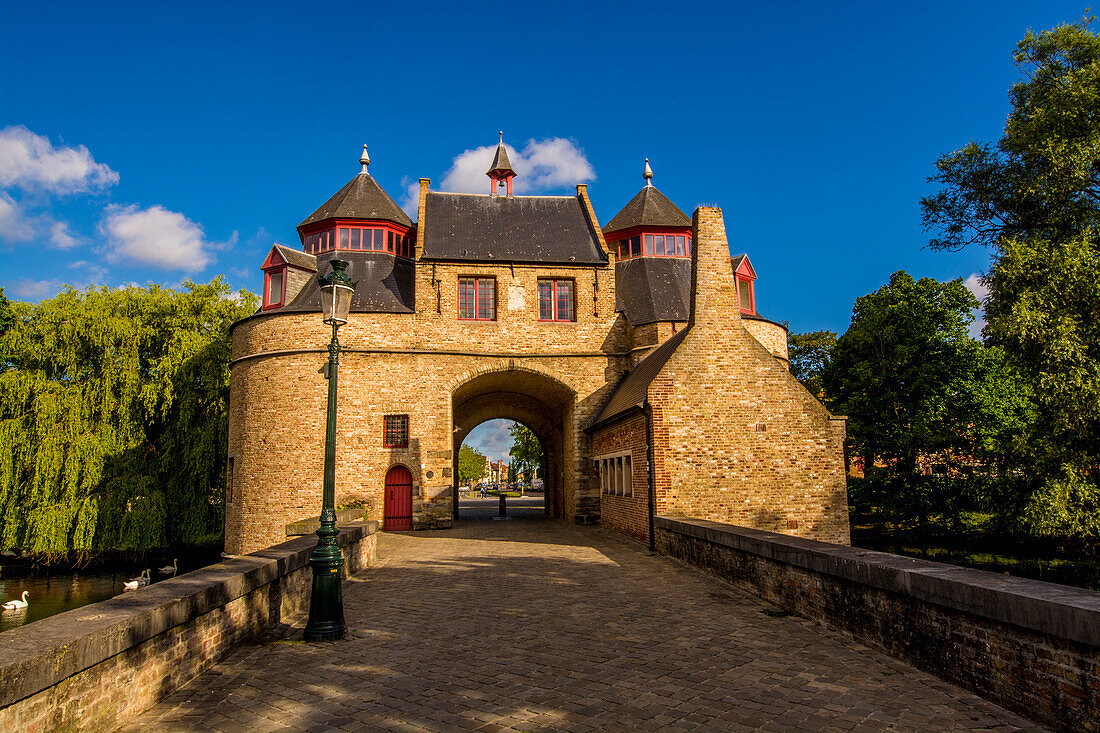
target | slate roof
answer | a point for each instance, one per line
(385, 284)
(501, 164)
(483, 228)
(297, 257)
(649, 289)
(649, 207)
(632, 390)
(360, 198)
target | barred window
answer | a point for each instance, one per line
(616, 475)
(477, 299)
(395, 431)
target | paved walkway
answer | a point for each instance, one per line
(532, 625)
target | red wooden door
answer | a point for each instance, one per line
(398, 509)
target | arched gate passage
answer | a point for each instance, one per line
(543, 404)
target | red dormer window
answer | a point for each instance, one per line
(274, 268)
(746, 277)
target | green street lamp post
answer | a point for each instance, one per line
(326, 600)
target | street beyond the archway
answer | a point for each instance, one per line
(532, 625)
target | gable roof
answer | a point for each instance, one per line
(631, 392)
(649, 207)
(742, 266)
(292, 257)
(650, 289)
(360, 198)
(479, 228)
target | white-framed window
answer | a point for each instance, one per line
(616, 474)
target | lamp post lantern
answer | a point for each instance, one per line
(326, 600)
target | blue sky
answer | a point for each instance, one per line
(159, 141)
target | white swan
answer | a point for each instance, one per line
(135, 583)
(16, 605)
(169, 569)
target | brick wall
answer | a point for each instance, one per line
(1030, 646)
(737, 438)
(626, 514)
(412, 364)
(771, 336)
(95, 667)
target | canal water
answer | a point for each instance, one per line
(52, 591)
(1066, 571)
(51, 594)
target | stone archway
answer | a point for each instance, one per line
(540, 402)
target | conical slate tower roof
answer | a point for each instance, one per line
(501, 164)
(649, 207)
(360, 198)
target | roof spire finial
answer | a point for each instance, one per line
(364, 159)
(501, 169)
(648, 173)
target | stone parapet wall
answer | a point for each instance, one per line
(1029, 646)
(95, 667)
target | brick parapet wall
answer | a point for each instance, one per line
(1030, 646)
(93, 668)
(772, 336)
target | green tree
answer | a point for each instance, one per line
(471, 466)
(526, 450)
(916, 386)
(809, 353)
(7, 317)
(903, 370)
(1034, 198)
(113, 412)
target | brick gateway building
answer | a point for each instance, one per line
(634, 351)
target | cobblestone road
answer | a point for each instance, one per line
(532, 625)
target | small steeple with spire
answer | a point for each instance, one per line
(501, 169)
(364, 159)
(647, 174)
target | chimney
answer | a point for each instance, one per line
(713, 285)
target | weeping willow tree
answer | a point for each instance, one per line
(113, 411)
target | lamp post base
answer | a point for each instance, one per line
(326, 600)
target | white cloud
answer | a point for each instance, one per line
(492, 439)
(410, 199)
(60, 236)
(542, 165)
(27, 289)
(975, 285)
(93, 272)
(31, 161)
(155, 236)
(14, 224)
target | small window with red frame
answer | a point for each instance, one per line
(556, 300)
(746, 296)
(477, 299)
(395, 431)
(274, 287)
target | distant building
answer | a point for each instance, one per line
(635, 351)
